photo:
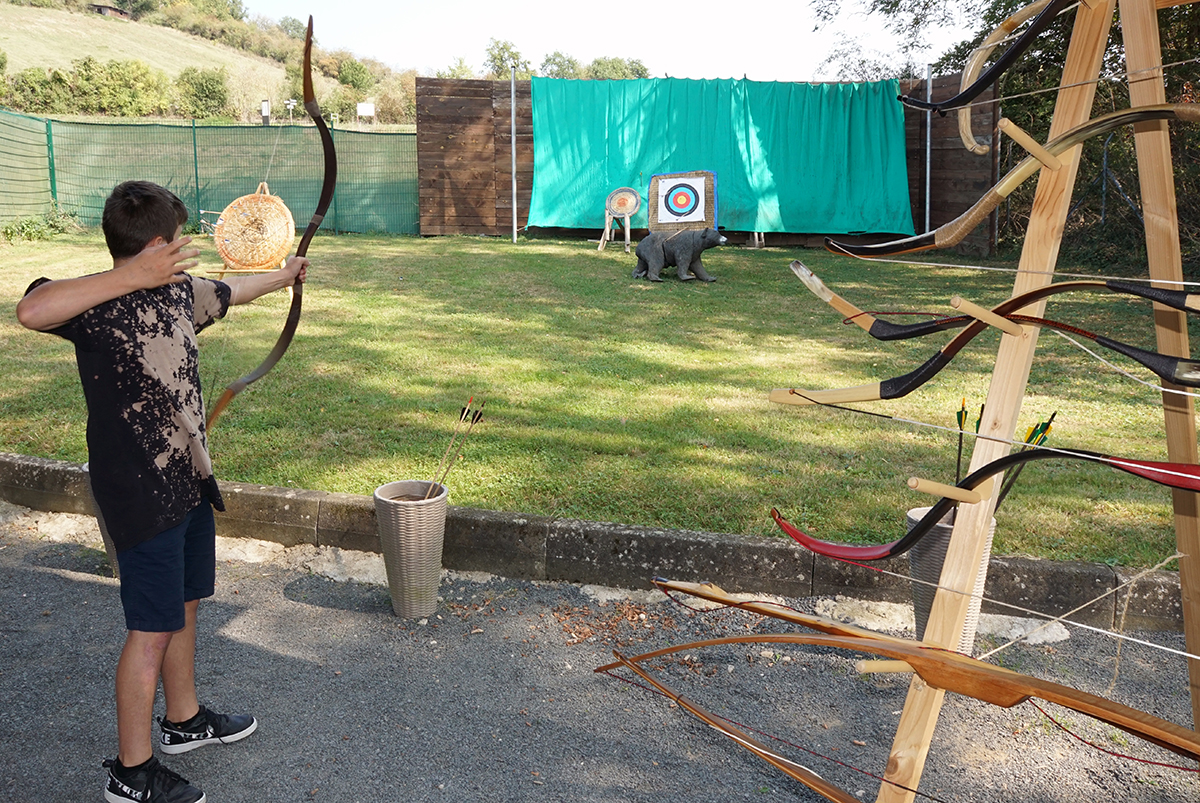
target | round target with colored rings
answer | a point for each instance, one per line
(682, 199)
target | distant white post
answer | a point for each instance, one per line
(512, 117)
(928, 137)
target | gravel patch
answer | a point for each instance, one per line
(493, 698)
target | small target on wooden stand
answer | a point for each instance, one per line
(621, 203)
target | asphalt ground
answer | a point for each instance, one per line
(494, 698)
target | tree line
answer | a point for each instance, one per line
(502, 59)
(131, 88)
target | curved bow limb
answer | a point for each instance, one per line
(796, 771)
(886, 330)
(713, 593)
(1183, 476)
(974, 65)
(952, 233)
(967, 676)
(328, 183)
(974, 85)
(1181, 371)
(1171, 369)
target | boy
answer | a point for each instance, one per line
(134, 329)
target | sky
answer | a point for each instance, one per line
(763, 40)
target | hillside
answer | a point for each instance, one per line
(45, 37)
(42, 37)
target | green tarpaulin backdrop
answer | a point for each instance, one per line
(820, 158)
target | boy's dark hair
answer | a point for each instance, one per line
(136, 213)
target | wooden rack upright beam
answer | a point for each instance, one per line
(968, 543)
(1156, 174)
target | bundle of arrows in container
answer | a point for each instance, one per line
(474, 417)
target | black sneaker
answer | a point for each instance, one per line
(205, 728)
(149, 783)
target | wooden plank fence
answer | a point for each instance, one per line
(464, 155)
(958, 178)
(464, 152)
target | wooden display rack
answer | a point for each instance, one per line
(1038, 257)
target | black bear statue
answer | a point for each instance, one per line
(681, 249)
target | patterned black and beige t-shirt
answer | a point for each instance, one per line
(138, 362)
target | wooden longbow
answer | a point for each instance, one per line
(1184, 476)
(328, 184)
(940, 669)
(952, 233)
(821, 624)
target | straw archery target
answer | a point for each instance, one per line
(255, 232)
(623, 201)
(683, 201)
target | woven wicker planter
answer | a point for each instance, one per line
(411, 529)
(926, 560)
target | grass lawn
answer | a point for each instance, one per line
(615, 399)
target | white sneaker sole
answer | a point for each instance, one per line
(115, 798)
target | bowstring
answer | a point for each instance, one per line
(218, 365)
(998, 269)
(783, 741)
(719, 606)
(1105, 750)
(1118, 369)
(1122, 371)
(1114, 461)
(983, 598)
(1010, 441)
(1129, 76)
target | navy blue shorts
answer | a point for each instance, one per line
(176, 566)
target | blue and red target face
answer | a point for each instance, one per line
(682, 200)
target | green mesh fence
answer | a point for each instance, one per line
(78, 164)
(25, 180)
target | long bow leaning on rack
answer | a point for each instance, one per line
(1184, 476)
(952, 233)
(938, 668)
(329, 182)
(1178, 370)
(1046, 11)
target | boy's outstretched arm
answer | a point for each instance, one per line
(244, 289)
(53, 304)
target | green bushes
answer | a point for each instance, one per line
(118, 89)
(38, 227)
(202, 93)
(268, 41)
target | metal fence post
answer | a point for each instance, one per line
(50, 162)
(336, 228)
(196, 168)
